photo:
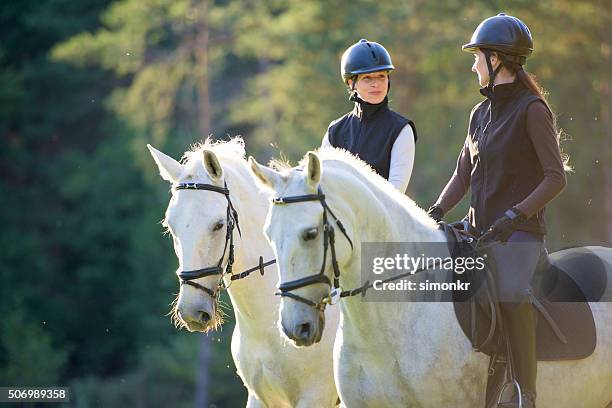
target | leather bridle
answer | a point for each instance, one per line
(187, 277)
(328, 242)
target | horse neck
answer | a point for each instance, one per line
(253, 295)
(379, 217)
(375, 216)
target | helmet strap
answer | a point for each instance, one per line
(354, 97)
(492, 73)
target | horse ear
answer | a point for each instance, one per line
(212, 165)
(313, 170)
(266, 176)
(169, 168)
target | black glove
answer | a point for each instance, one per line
(505, 226)
(436, 212)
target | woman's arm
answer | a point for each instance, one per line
(541, 131)
(459, 182)
(402, 159)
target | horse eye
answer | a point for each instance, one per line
(310, 234)
(218, 226)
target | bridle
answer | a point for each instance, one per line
(328, 242)
(336, 292)
(187, 277)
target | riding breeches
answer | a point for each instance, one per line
(514, 264)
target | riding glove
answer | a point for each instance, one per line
(436, 212)
(506, 225)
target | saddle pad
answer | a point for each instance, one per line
(574, 319)
(589, 272)
(562, 298)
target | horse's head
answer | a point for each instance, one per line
(198, 218)
(297, 232)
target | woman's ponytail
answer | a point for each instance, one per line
(530, 82)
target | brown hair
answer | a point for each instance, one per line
(530, 82)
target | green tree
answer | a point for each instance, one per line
(168, 53)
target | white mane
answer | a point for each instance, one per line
(231, 155)
(230, 152)
(332, 156)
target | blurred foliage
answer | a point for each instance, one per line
(164, 377)
(87, 276)
(30, 359)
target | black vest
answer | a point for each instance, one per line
(505, 166)
(369, 132)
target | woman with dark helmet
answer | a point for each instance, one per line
(512, 163)
(382, 138)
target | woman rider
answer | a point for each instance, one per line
(382, 138)
(512, 163)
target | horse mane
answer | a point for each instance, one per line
(335, 156)
(231, 153)
(227, 151)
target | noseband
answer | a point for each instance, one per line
(328, 242)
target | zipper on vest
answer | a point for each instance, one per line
(362, 127)
(484, 162)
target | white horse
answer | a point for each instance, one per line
(397, 354)
(275, 374)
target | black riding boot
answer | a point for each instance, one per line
(520, 324)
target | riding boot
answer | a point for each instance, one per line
(520, 325)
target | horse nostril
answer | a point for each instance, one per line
(204, 317)
(304, 330)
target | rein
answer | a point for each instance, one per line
(472, 241)
(187, 277)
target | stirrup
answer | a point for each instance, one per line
(517, 388)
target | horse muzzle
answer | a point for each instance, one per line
(306, 332)
(197, 320)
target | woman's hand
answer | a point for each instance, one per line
(505, 226)
(436, 212)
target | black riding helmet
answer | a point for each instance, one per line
(507, 35)
(364, 57)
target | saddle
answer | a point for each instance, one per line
(563, 285)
